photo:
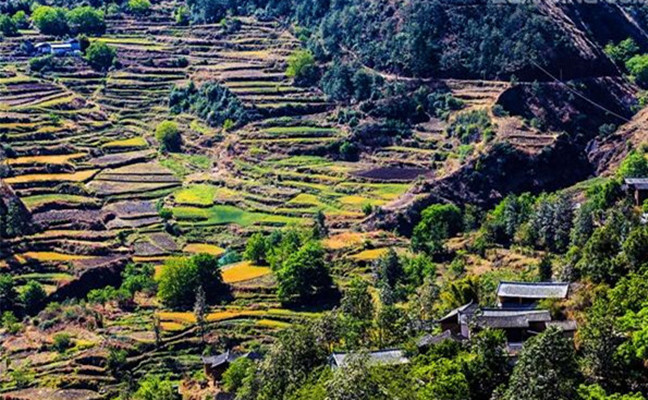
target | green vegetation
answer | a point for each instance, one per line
(100, 55)
(438, 222)
(86, 20)
(50, 20)
(58, 21)
(139, 7)
(622, 51)
(471, 126)
(638, 67)
(8, 26)
(212, 102)
(180, 279)
(302, 68)
(154, 387)
(168, 136)
(15, 220)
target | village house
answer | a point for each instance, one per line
(515, 315)
(69, 47)
(216, 365)
(637, 188)
(527, 294)
(380, 357)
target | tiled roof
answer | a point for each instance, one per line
(429, 340)
(638, 183)
(469, 309)
(381, 357)
(512, 321)
(533, 290)
(568, 325)
(530, 315)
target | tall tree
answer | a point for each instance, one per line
(546, 369)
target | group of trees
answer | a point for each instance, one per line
(59, 21)
(213, 102)
(28, 301)
(181, 279)
(294, 368)
(15, 219)
(298, 262)
(627, 54)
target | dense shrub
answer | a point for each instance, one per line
(20, 19)
(139, 6)
(168, 136)
(8, 26)
(86, 20)
(8, 294)
(33, 296)
(62, 341)
(302, 68)
(634, 165)
(43, 63)
(213, 102)
(50, 20)
(471, 126)
(638, 67)
(100, 55)
(623, 51)
(303, 275)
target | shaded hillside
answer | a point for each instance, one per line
(606, 154)
(486, 180)
(579, 107)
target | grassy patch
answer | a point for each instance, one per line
(132, 142)
(224, 214)
(196, 195)
(39, 200)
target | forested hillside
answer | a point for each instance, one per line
(323, 200)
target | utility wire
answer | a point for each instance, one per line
(577, 93)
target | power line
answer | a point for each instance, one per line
(577, 93)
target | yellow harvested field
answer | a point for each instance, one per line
(243, 271)
(197, 248)
(45, 256)
(171, 326)
(343, 240)
(79, 176)
(178, 317)
(369, 255)
(271, 323)
(53, 159)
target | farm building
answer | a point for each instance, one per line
(518, 324)
(527, 294)
(215, 366)
(380, 357)
(637, 188)
(71, 46)
(516, 315)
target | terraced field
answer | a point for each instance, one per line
(84, 161)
